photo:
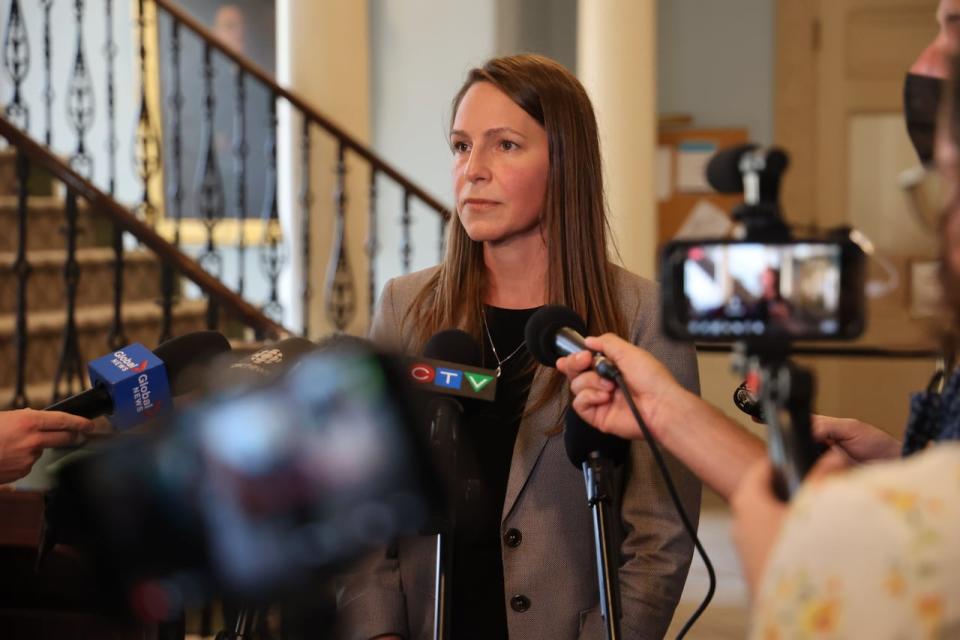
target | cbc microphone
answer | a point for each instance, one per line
(133, 385)
(556, 331)
(264, 363)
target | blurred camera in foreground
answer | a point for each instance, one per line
(257, 493)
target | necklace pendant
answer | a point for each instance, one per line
(498, 371)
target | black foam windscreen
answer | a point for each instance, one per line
(542, 327)
(186, 354)
(454, 345)
(580, 440)
(723, 170)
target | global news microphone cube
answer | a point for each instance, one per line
(136, 380)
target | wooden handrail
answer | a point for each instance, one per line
(311, 113)
(103, 203)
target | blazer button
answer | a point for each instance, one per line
(519, 603)
(512, 538)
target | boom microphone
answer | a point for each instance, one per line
(556, 331)
(133, 384)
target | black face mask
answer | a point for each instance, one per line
(921, 101)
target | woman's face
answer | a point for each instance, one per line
(500, 166)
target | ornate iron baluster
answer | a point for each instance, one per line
(306, 201)
(341, 296)
(406, 246)
(373, 241)
(21, 268)
(80, 103)
(48, 72)
(117, 336)
(210, 198)
(16, 60)
(70, 366)
(168, 280)
(271, 257)
(240, 149)
(146, 146)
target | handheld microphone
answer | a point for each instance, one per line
(552, 332)
(133, 385)
(556, 331)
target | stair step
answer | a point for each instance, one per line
(45, 335)
(39, 183)
(46, 289)
(46, 222)
(8, 176)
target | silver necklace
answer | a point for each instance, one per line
(500, 363)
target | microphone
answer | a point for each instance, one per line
(458, 348)
(581, 441)
(450, 366)
(556, 331)
(133, 385)
(459, 351)
(726, 169)
(264, 363)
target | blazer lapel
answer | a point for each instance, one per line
(532, 437)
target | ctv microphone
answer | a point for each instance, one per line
(133, 385)
(457, 352)
(556, 331)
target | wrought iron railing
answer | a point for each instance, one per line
(158, 147)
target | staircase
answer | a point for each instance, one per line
(46, 290)
(77, 289)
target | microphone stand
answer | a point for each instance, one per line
(445, 441)
(597, 474)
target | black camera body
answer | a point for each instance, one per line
(765, 288)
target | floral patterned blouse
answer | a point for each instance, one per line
(874, 553)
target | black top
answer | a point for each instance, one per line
(490, 430)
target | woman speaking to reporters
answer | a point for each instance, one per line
(530, 229)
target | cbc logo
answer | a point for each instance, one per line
(267, 356)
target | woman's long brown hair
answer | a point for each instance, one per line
(574, 221)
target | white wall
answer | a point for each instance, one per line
(715, 62)
(421, 51)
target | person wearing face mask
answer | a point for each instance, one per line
(530, 229)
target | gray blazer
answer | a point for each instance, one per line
(553, 566)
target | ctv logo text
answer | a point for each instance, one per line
(448, 378)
